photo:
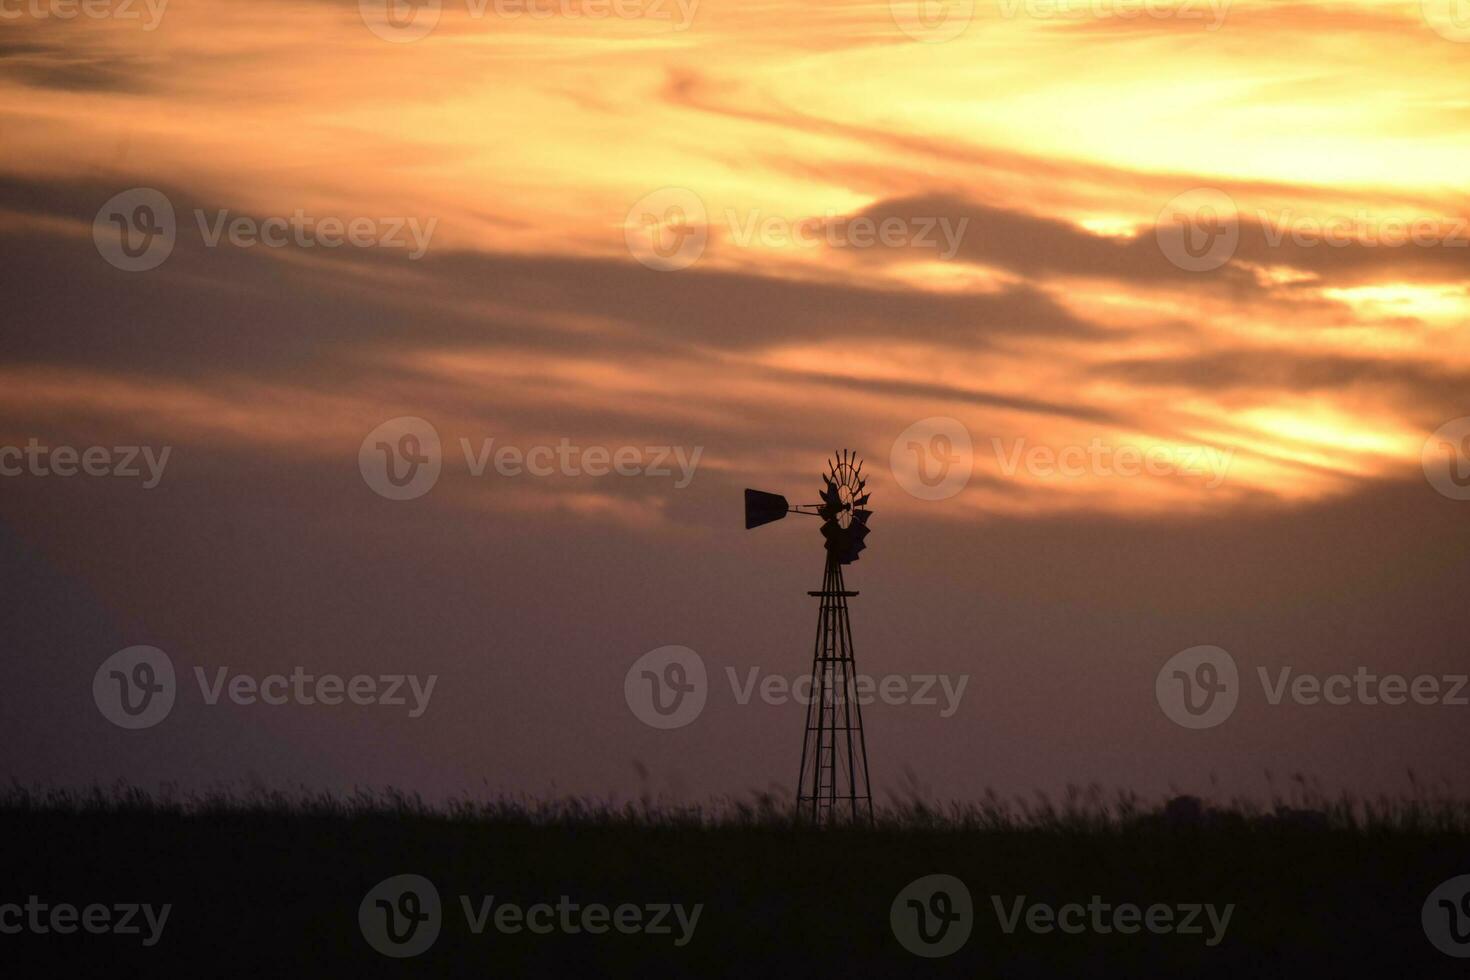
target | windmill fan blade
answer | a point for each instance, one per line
(862, 501)
(860, 516)
(859, 531)
(763, 508)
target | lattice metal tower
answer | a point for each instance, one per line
(833, 783)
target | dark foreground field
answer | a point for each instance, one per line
(274, 886)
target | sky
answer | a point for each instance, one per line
(1148, 320)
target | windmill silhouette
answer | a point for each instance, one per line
(833, 783)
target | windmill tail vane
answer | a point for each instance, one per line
(833, 783)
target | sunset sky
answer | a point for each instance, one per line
(646, 230)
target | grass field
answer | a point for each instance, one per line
(273, 883)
